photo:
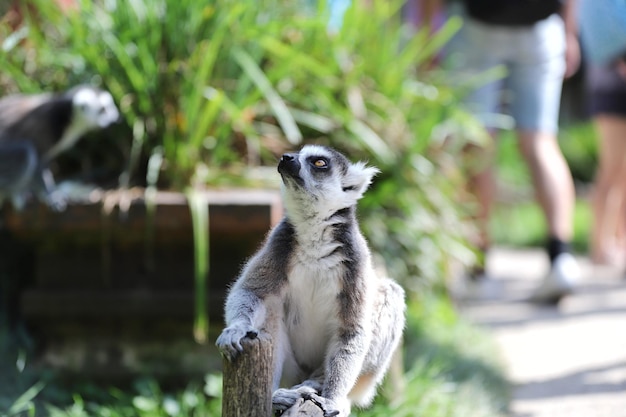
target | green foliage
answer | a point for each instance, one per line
(216, 87)
(523, 225)
(200, 218)
(452, 370)
(167, 63)
(358, 90)
(579, 143)
(148, 401)
(24, 404)
(209, 89)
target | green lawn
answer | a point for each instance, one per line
(523, 225)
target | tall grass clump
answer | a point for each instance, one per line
(218, 87)
(359, 89)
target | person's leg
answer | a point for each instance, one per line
(609, 188)
(553, 184)
(481, 184)
(537, 70)
(607, 93)
(554, 189)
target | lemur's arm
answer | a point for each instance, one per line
(263, 277)
(245, 312)
(46, 190)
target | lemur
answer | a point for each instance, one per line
(36, 128)
(312, 286)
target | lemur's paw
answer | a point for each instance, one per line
(229, 342)
(328, 406)
(57, 201)
(284, 398)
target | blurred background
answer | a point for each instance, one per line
(110, 307)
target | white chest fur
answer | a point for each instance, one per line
(312, 306)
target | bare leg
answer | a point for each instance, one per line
(610, 186)
(482, 186)
(554, 187)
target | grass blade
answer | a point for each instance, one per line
(280, 109)
(24, 401)
(371, 140)
(199, 207)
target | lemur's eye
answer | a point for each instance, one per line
(320, 163)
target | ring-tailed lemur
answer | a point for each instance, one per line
(36, 128)
(334, 323)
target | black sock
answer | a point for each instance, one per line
(556, 247)
(477, 272)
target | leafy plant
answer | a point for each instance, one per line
(358, 90)
(148, 400)
(452, 368)
(579, 143)
(237, 84)
(24, 405)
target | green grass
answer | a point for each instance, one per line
(523, 225)
(452, 369)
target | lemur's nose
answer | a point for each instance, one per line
(289, 164)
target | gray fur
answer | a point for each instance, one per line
(335, 324)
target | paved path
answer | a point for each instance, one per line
(568, 361)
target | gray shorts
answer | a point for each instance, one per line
(534, 61)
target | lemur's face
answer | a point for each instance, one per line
(319, 179)
(94, 108)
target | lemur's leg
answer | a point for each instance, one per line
(286, 370)
(388, 327)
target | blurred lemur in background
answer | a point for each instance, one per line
(36, 128)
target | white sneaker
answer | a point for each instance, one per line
(559, 282)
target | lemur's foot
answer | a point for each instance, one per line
(283, 399)
(329, 407)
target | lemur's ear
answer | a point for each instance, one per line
(358, 178)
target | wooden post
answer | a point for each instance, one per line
(247, 386)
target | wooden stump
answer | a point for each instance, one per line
(248, 384)
(248, 380)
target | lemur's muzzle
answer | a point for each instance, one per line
(289, 165)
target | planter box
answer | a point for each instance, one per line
(95, 278)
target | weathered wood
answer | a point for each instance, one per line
(44, 305)
(234, 211)
(90, 262)
(247, 386)
(304, 408)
